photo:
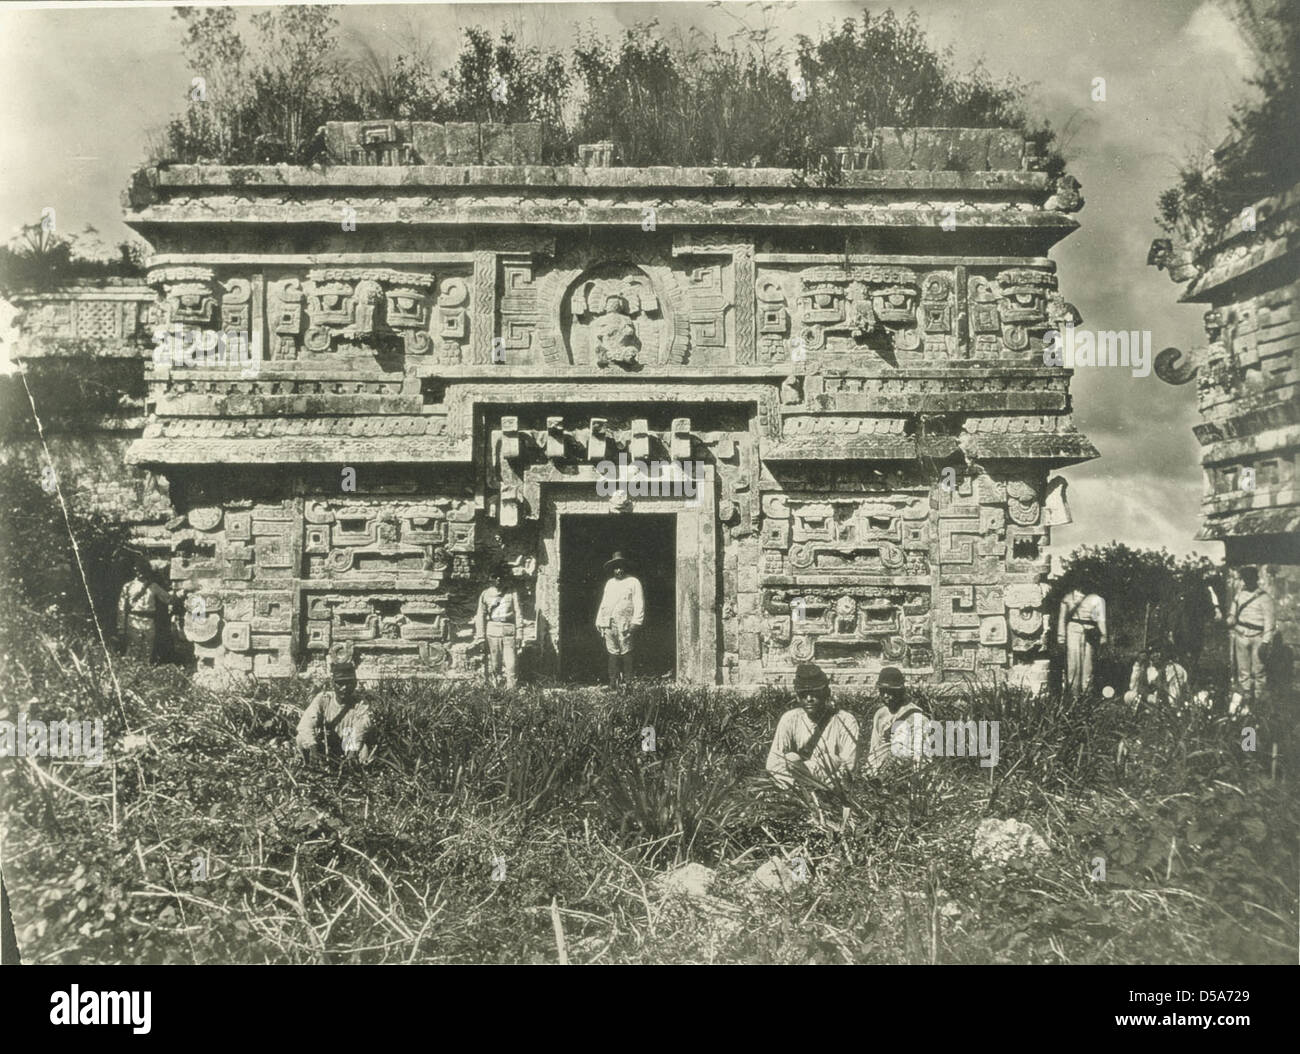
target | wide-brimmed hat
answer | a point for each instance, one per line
(343, 671)
(615, 560)
(808, 677)
(891, 679)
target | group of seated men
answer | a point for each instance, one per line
(815, 743)
(815, 740)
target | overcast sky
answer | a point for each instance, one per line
(81, 88)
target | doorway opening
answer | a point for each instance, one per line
(649, 541)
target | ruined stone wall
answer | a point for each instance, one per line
(91, 466)
(98, 332)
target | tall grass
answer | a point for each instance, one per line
(202, 839)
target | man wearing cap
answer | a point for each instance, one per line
(620, 615)
(814, 741)
(140, 605)
(335, 723)
(1250, 623)
(497, 622)
(897, 728)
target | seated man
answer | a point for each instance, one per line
(898, 727)
(335, 723)
(1156, 678)
(814, 741)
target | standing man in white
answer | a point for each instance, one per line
(1081, 627)
(621, 613)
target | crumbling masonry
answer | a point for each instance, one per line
(853, 371)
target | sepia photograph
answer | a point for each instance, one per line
(650, 483)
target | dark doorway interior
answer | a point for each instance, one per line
(649, 540)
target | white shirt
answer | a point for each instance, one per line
(1076, 607)
(836, 751)
(895, 736)
(1175, 680)
(622, 602)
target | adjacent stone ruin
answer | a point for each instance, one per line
(1248, 381)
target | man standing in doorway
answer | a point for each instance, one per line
(621, 613)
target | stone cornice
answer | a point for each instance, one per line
(251, 179)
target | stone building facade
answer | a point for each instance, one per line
(816, 417)
(1248, 387)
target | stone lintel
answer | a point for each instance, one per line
(1249, 422)
(1049, 227)
(284, 450)
(1057, 450)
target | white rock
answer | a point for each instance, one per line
(133, 741)
(689, 880)
(774, 877)
(999, 842)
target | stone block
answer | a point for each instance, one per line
(462, 143)
(496, 144)
(429, 142)
(527, 143)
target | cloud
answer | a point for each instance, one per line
(1211, 31)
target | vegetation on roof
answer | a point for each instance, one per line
(38, 258)
(264, 87)
(1261, 156)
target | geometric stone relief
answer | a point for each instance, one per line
(721, 304)
(856, 305)
(385, 634)
(387, 540)
(856, 536)
(851, 627)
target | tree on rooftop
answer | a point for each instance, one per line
(505, 81)
(688, 101)
(737, 103)
(261, 102)
(1262, 154)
